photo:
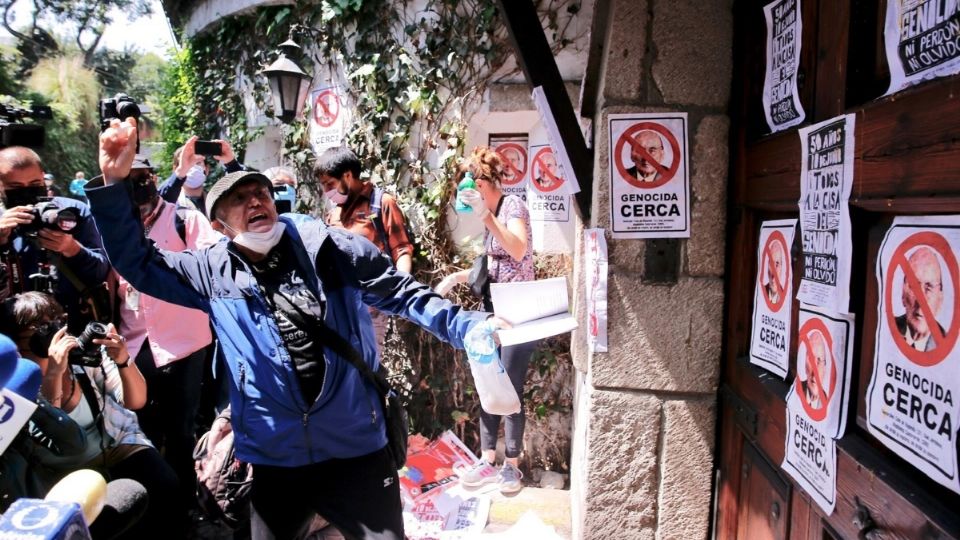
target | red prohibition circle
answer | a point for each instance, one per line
(945, 343)
(518, 174)
(331, 109)
(767, 258)
(817, 325)
(666, 174)
(538, 164)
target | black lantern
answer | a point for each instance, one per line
(288, 84)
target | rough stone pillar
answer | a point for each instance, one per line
(646, 410)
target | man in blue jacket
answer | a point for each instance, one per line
(304, 416)
(26, 255)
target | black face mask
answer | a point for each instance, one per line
(144, 193)
(24, 196)
(40, 340)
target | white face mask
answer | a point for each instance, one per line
(195, 177)
(335, 197)
(258, 242)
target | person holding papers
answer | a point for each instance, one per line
(508, 241)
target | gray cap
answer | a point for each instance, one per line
(227, 183)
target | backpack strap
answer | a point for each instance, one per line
(376, 209)
(180, 222)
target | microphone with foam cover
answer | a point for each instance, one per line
(125, 504)
(63, 515)
(25, 379)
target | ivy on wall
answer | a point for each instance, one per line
(414, 77)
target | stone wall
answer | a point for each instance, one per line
(646, 418)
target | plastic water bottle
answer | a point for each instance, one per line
(496, 392)
(467, 183)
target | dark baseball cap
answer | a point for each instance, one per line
(230, 181)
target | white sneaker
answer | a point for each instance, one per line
(478, 475)
(509, 478)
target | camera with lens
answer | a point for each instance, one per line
(120, 106)
(14, 132)
(87, 353)
(47, 214)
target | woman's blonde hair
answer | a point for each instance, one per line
(484, 162)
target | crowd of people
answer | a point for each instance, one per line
(150, 307)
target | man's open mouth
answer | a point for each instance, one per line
(256, 217)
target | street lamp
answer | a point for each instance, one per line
(288, 84)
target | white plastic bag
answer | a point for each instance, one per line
(497, 395)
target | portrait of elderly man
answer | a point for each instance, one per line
(913, 325)
(550, 174)
(817, 374)
(776, 273)
(643, 169)
(512, 174)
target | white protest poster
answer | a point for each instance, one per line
(826, 178)
(811, 459)
(547, 198)
(912, 397)
(15, 410)
(773, 298)
(824, 365)
(326, 118)
(649, 178)
(818, 401)
(922, 40)
(781, 101)
(513, 152)
(595, 248)
(562, 158)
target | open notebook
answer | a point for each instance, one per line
(536, 309)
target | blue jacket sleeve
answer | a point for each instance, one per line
(90, 264)
(180, 278)
(169, 190)
(387, 289)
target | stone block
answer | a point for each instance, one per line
(708, 207)
(624, 48)
(621, 488)
(579, 351)
(686, 468)
(694, 59)
(661, 337)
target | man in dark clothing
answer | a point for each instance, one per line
(29, 258)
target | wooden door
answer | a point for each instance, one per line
(907, 162)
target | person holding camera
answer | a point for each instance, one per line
(92, 378)
(288, 306)
(190, 171)
(37, 233)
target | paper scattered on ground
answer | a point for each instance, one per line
(528, 527)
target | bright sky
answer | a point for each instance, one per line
(149, 34)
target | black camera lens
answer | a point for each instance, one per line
(94, 330)
(126, 109)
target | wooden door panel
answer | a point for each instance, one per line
(906, 161)
(763, 506)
